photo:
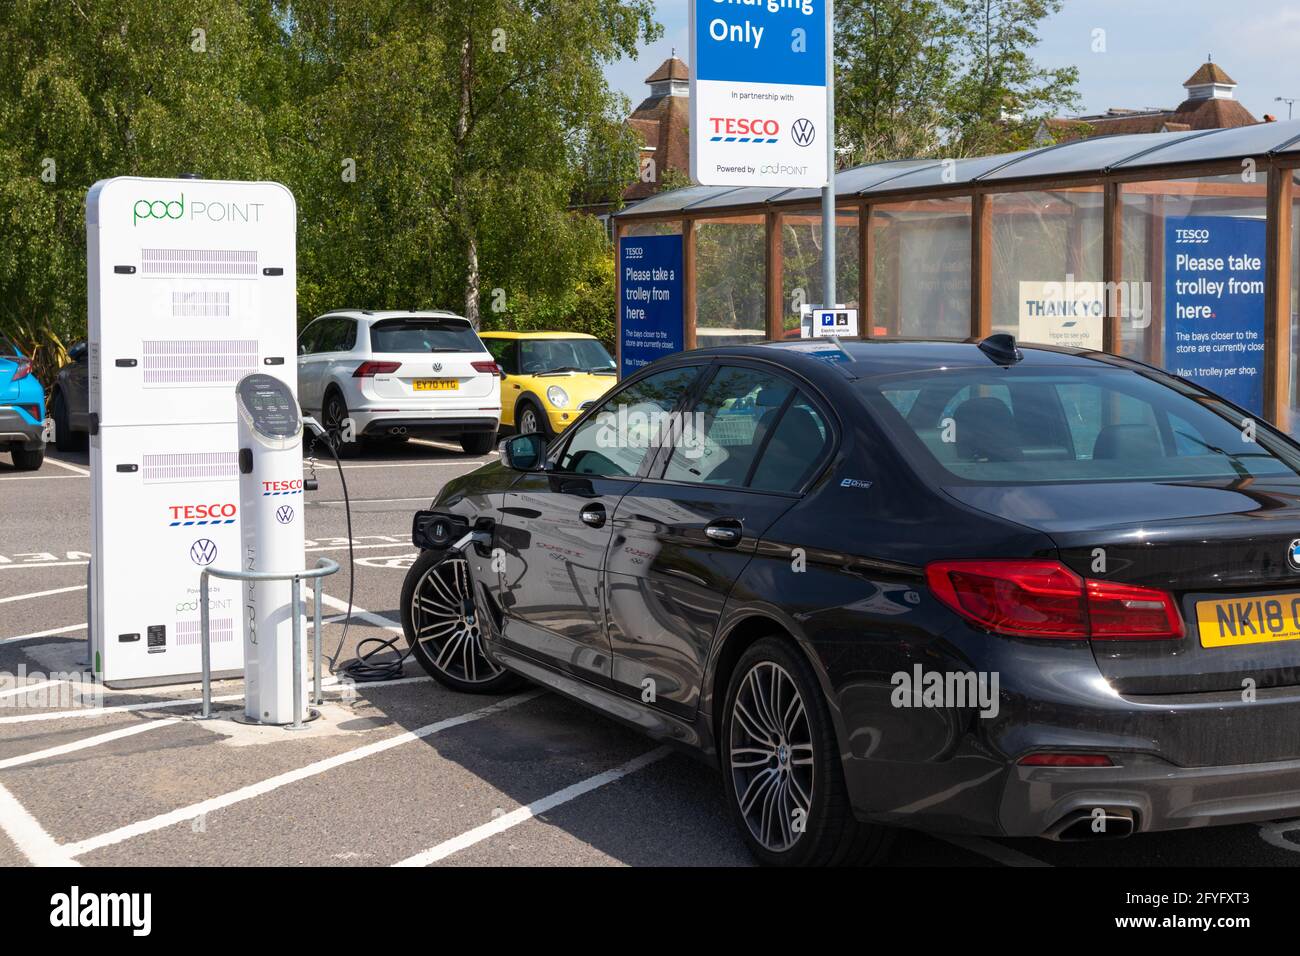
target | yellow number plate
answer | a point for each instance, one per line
(435, 385)
(1250, 620)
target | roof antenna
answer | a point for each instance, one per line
(1001, 348)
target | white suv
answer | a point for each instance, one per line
(399, 374)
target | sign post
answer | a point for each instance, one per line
(829, 216)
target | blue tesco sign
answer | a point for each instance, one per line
(1214, 305)
(651, 313)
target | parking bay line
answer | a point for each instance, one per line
(193, 811)
(29, 836)
(50, 633)
(36, 594)
(87, 742)
(526, 813)
(75, 469)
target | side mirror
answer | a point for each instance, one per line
(302, 348)
(524, 452)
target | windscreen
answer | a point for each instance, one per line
(563, 355)
(424, 335)
(1019, 425)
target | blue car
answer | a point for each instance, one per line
(22, 409)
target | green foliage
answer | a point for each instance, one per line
(945, 78)
(471, 128)
(588, 306)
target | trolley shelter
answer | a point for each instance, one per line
(1176, 249)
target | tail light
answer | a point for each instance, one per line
(1045, 599)
(490, 367)
(33, 411)
(23, 370)
(371, 369)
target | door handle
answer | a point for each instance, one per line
(593, 515)
(724, 531)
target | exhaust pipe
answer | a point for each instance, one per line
(397, 430)
(1099, 823)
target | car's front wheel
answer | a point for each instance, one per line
(781, 765)
(532, 421)
(443, 628)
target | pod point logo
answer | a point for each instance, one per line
(803, 132)
(203, 552)
(284, 514)
(158, 209)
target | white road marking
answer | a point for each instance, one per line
(75, 469)
(29, 836)
(36, 594)
(87, 743)
(173, 817)
(359, 547)
(42, 564)
(467, 465)
(368, 501)
(526, 813)
(40, 478)
(370, 617)
(994, 851)
(28, 688)
(141, 707)
(49, 633)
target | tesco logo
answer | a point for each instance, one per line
(742, 126)
(202, 512)
(294, 484)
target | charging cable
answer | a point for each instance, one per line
(319, 433)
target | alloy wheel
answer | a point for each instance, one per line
(528, 422)
(771, 755)
(447, 624)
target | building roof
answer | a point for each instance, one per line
(1097, 155)
(663, 123)
(1210, 72)
(671, 69)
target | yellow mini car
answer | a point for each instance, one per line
(548, 378)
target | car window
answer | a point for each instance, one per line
(537, 356)
(309, 341)
(346, 340)
(722, 434)
(794, 450)
(615, 439)
(417, 335)
(1021, 425)
(8, 348)
(503, 351)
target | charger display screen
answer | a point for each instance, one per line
(270, 405)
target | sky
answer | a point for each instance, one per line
(1151, 47)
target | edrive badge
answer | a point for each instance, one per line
(1293, 554)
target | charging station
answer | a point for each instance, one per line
(192, 287)
(270, 500)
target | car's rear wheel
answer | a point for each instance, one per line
(335, 419)
(478, 443)
(781, 765)
(531, 421)
(443, 628)
(27, 459)
(65, 439)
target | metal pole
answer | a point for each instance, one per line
(295, 606)
(828, 191)
(315, 641)
(203, 640)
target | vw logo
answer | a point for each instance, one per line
(437, 366)
(284, 514)
(803, 132)
(203, 552)
(1293, 554)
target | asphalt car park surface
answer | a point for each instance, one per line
(403, 771)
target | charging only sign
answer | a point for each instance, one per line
(758, 92)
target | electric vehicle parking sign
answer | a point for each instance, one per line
(758, 92)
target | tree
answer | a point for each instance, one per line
(929, 78)
(115, 87)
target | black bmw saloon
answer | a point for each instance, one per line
(971, 587)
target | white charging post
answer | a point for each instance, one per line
(270, 499)
(191, 288)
